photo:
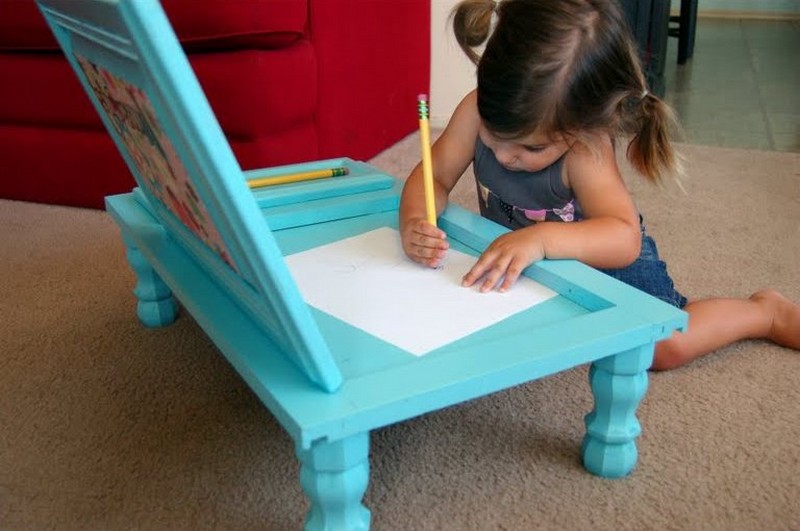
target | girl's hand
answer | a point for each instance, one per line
(505, 259)
(424, 243)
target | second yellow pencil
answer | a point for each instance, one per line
(297, 177)
(427, 162)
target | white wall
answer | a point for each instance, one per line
(452, 74)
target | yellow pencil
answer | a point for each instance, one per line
(297, 177)
(427, 163)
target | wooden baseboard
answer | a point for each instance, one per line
(751, 15)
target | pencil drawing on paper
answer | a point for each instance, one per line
(367, 282)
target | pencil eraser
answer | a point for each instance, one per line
(422, 97)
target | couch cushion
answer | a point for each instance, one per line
(75, 167)
(23, 28)
(369, 79)
(252, 92)
(261, 24)
(29, 80)
(80, 167)
(200, 24)
(258, 92)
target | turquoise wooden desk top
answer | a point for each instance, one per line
(383, 384)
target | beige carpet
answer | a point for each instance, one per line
(107, 425)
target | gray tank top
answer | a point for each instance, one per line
(517, 199)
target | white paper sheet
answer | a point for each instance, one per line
(368, 282)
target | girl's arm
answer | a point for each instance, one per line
(451, 155)
(610, 234)
(608, 237)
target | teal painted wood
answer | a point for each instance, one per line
(328, 383)
(362, 178)
(128, 59)
(156, 307)
(618, 384)
(380, 390)
(332, 208)
(334, 476)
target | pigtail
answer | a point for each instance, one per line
(472, 22)
(650, 150)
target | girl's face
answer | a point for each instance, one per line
(529, 153)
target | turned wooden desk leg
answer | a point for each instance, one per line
(618, 383)
(156, 305)
(334, 476)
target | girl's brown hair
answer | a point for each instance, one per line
(565, 66)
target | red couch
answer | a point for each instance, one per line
(289, 81)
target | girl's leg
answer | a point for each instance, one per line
(715, 323)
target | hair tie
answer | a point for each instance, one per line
(495, 15)
(644, 94)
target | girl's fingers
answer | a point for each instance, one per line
(491, 280)
(511, 275)
(485, 265)
(429, 252)
(431, 242)
(493, 270)
(426, 244)
(508, 281)
(472, 275)
(430, 235)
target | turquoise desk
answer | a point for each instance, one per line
(199, 238)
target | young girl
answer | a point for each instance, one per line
(558, 84)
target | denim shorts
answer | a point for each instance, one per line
(649, 274)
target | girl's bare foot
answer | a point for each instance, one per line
(785, 328)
